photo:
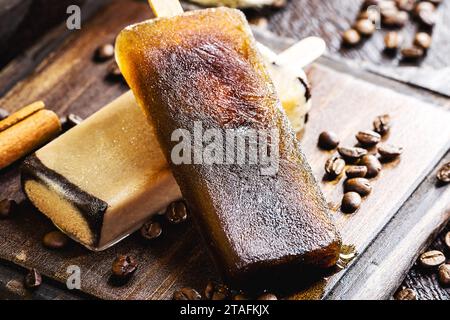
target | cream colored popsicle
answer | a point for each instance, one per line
(104, 178)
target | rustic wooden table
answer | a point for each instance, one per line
(294, 21)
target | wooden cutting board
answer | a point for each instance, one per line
(70, 82)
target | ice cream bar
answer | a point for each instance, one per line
(203, 67)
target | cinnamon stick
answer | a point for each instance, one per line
(21, 114)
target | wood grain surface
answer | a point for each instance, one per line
(69, 81)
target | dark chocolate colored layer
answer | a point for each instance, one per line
(92, 208)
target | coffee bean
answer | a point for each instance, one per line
(114, 72)
(3, 114)
(389, 152)
(412, 53)
(7, 207)
(267, 296)
(424, 6)
(186, 294)
(352, 153)
(427, 18)
(356, 171)
(151, 230)
(443, 174)
(33, 279)
(444, 274)
(278, 4)
(350, 202)
(372, 164)
(431, 259)
(396, 19)
(216, 291)
(447, 240)
(240, 296)
(105, 52)
(406, 5)
(392, 40)
(261, 22)
(55, 240)
(436, 2)
(369, 3)
(406, 294)
(386, 4)
(359, 185)
(351, 37)
(328, 140)
(423, 40)
(371, 15)
(365, 27)
(124, 266)
(177, 212)
(382, 124)
(334, 166)
(368, 138)
(70, 121)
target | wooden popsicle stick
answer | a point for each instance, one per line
(166, 8)
(302, 53)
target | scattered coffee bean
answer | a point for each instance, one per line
(392, 40)
(124, 266)
(216, 291)
(352, 153)
(356, 171)
(406, 5)
(424, 6)
(105, 52)
(7, 207)
(389, 152)
(382, 124)
(33, 279)
(371, 15)
(70, 121)
(396, 19)
(412, 53)
(372, 164)
(423, 40)
(334, 166)
(177, 212)
(3, 114)
(368, 138)
(151, 230)
(240, 296)
(443, 174)
(359, 185)
(351, 37)
(186, 294)
(386, 4)
(259, 21)
(444, 274)
(406, 294)
(278, 4)
(328, 140)
(55, 240)
(365, 27)
(114, 72)
(447, 240)
(427, 18)
(431, 259)
(267, 296)
(350, 202)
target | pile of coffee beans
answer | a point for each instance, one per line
(395, 15)
(360, 162)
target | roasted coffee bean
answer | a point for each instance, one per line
(328, 140)
(105, 52)
(7, 207)
(387, 4)
(444, 274)
(261, 22)
(372, 164)
(412, 53)
(382, 124)
(406, 5)
(392, 40)
(427, 18)
(389, 152)
(359, 185)
(334, 166)
(278, 4)
(396, 19)
(177, 212)
(124, 266)
(267, 296)
(368, 138)
(351, 201)
(371, 15)
(55, 240)
(240, 296)
(369, 3)
(114, 72)
(424, 6)
(443, 174)
(151, 230)
(365, 27)
(406, 294)
(431, 259)
(3, 114)
(186, 294)
(352, 153)
(70, 121)
(356, 171)
(351, 37)
(216, 291)
(447, 240)
(33, 279)
(423, 40)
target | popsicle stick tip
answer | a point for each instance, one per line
(165, 8)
